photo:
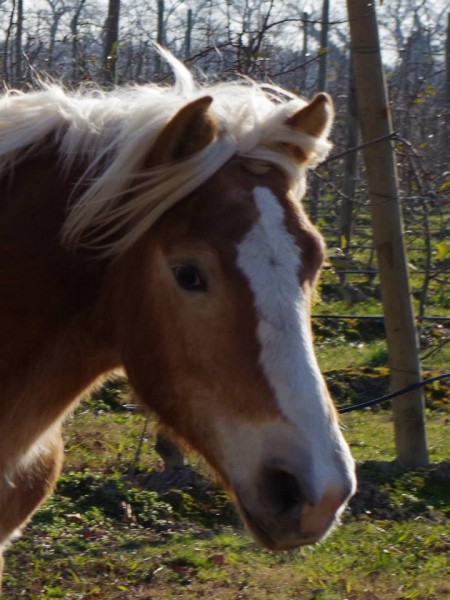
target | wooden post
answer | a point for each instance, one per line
(375, 121)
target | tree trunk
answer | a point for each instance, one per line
(375, 121)
(303, 78)
(447, 87)
(350, 166)
(19, 33)
(76, 59)
(322, 77)
(111, 45)
(53, 32)
(314, 187)
(187, 43)
(447, 64)
(159, 35)
(140, 60)
(8, 74)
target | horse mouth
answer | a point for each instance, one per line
(267, 540)
(260, 534)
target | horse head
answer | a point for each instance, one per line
(212, 318)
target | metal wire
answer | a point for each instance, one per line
(346, 409)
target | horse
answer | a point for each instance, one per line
(159, 229)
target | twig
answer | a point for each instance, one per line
(139, 449)
(435, 349)
(389, 136)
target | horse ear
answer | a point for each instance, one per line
(315, 118)
(188, 132)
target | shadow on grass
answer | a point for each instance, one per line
(388, 492)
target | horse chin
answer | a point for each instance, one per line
(281, 541)
(256, 530)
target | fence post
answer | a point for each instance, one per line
(379, 158)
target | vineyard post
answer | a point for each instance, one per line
(381, 173)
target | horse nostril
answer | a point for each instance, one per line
(281, 492)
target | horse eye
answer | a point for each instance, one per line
(189, 278)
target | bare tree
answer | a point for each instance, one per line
(447, 85)
(18, 44)
(187, 46)
(350, 167)
(111, 42)
(160, 38)
(323, 52)
(58, 9)
(77, 65)
(314, 188)
(7, 49)
(304, 50)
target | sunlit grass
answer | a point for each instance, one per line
(371, 435)
(70, 554)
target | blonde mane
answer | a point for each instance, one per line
(113, 131)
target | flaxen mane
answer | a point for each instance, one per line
(113, 131)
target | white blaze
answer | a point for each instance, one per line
(271, 260)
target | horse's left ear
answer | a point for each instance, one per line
(315, 118)
(188, 132)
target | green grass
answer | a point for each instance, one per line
(353, 355)
(394, 542)
(371, 435)
(352, 342)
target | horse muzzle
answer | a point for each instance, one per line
(284, 510)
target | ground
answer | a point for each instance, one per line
(119, 527)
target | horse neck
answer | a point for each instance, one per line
(53, 343)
